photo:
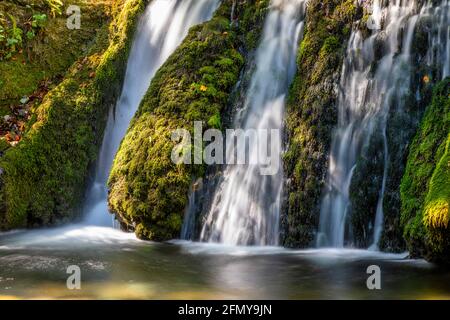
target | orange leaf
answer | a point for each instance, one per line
(21, 125)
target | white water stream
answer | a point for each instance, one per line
(246, 204)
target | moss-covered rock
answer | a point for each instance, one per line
(436, 213)
(148, 192)
(312, 114)
(425, 187)
(43, 178)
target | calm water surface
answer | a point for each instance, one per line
(115, 265)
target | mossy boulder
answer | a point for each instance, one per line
(312, 115)
(425, 186)
(148, 192)
(43, 178)
(436, 213)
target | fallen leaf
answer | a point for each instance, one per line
(21, 125)
(8, 137)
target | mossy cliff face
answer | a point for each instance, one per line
(148, 192)
(43, 178)
(45, 50)
(425, 187)
(52, 49)
(312, 115)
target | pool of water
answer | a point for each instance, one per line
(115, 265)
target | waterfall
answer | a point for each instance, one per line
(371, 85)
(161, 30)
(245, 208)
(439, 41)
(363, 106)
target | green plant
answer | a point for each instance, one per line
(39, 20)
(2, 42)
(55, 7)
(2, 34)
(36, 23)
(14, 33)
(14, 37)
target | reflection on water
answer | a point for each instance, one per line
(116, 265)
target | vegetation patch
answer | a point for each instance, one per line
(36, 50)
(43, 178)
(425, 187)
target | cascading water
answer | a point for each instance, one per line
(161, 29)
(439, 41)
(363, 107)
(368, 94)
(246, 205)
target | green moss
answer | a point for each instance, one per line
(436, 214)
(18, 79)
(215, 122)
(312, 114)
(425, 187)
(250, 22)
(43, 178)
(148, 192)
(330, 44)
